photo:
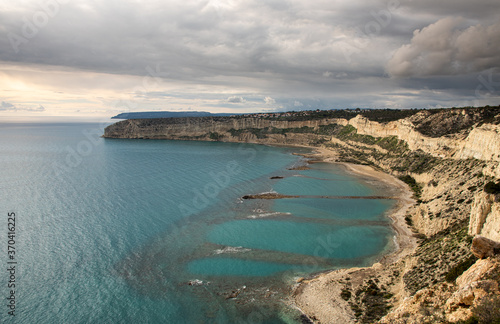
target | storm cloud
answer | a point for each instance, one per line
(443, 48)
(236, 55)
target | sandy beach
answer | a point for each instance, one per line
(319, 298)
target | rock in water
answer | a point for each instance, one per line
(484, 248)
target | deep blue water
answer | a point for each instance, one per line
(153, 231)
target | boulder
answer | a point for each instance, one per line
(484, 248)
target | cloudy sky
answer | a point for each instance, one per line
(92, 59)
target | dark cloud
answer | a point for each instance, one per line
(443, 48)
(339, 51)
(479, 10)
(194, 39)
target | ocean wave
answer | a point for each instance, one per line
(267, 192)
(195, 282)
(263, 215)
(231, 249)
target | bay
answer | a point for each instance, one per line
(143, 231)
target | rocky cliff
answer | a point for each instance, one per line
(485, 216)
(226, 129)
(472, 296)
(480, 142)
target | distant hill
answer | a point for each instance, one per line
(166, 114)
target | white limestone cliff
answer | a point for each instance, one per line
(482, 143)
(485, 217)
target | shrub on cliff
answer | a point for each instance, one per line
(410, 181)
(215, 136)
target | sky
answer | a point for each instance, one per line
(94, 59)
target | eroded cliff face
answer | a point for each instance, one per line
(450, 302)
(491, 227)
(448, 193)
(237, 129)
(451, 195)
(405, 130)
(485, 217)
(482, 142)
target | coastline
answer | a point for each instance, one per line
(319, 298)
(446, 160)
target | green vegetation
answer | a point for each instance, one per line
(215, 136)
(389, 143)
(263, 132)
(438, 255)
(370, 302)
(258, 132)
(388, 115)
(379, 115)
(440, 122)
(346, 132)
(192, 138)
(398, 157)
(329, 130)
(301, 130)
(410, 181)
(353, 156)
(392, 144)
(236, 132)
(416, 162)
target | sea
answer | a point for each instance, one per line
(96, 230)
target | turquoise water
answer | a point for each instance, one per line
(138, 231)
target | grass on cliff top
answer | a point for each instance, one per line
(329, 130)
(390, 143)
(379, 115)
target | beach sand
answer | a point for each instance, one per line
(319, 297)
